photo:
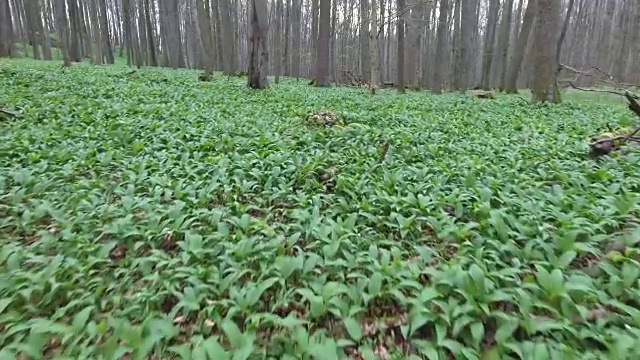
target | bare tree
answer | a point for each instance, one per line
(521, 46)
(206, 37)
(365, 63)
(373, 36)
(563, 33)
(278, 40)
(322, 54)
(545, 45)
(259, 56)
(503, 41)
(62, 25)
(6, 30)
(400, 54)
(487, 56)
(441, 48)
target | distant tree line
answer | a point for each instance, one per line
(439, 45)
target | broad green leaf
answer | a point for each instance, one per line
(353, 328)
(375, 284)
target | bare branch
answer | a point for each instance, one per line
(395, 16)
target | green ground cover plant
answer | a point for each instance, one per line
(147, 215)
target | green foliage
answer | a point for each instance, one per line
(149, 213)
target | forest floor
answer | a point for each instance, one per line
(146, 213)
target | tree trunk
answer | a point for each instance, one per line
(545, 46)
(97, 35)
(441, 48)
(259, 55)
(521, 47)
(466, 41)
(278, 40)
(104, 25)
(322, 55)
(313, 46)
(503, 42)
(153, 58)
(458, 66)
(365, 63)
(75, 46)
(6, 31)
(487, 57)
(227, 36)
(143, 44)
(557, 98)
(400, 54)
(296, 26)
(62, 25)
(373, 38)
(44, 30)
(206, 38)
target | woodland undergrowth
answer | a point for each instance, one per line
(146, 214)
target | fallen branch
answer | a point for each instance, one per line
(606, 145)
(7, 114)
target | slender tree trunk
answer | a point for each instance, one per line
(487, 57)
(153, 58)
(296, 26)
(206, 38)
(97, 35)
(313, 46)
(400, 54)
(503, 42)
(44, 32)
(441, 48)
(557, 98)
(373, 38)
(143, 43)
(61, 19)
(227, 36)
(521, 47)
(6, 31)
(259, 56)
(278, 41)
(458, 66)
(365, 63)
(104, 25)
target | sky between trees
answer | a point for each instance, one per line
(439, 45)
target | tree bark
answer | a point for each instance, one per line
(97, 34)
(487, 56)
(365, 63)
(521, 47)
(503, 42)
(545, 46)
(259, 55)
(400, 54)
(278, 41)
(441, 48)
(296, 25)
(557, 98)
(373, 38)
(6, 31)
(104, 25)
(62, 25)
(322, 55)
(206, 37)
